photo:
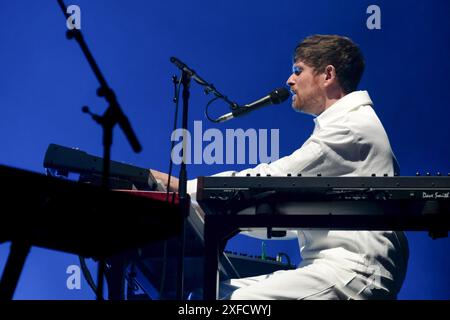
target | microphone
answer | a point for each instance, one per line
(275, 97)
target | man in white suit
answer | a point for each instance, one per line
(348, 140)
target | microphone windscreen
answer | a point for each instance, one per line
(279, 95)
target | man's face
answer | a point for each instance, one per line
(307, 94)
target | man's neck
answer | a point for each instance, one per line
(332, 98)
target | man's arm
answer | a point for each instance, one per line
(164, 178)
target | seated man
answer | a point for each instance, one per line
(348, 140)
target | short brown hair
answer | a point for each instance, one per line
(318, 51)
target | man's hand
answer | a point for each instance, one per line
(164, 178)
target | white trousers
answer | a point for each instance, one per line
(316, 280)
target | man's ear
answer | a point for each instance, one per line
(329, 76)
(330, 72)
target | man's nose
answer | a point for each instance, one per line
(290, 80)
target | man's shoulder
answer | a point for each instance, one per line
(361, 122)
(365, 124)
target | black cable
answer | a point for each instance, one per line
(87, 274)
(288, 259)
(206, 110)
(176, 100)
(84, 269)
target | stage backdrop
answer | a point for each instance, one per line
(243, 47)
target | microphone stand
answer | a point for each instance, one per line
(112, 116)
(182, 185)
(186, 76)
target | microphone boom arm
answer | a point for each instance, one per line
(209, 87)
(116, 114)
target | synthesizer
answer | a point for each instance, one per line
(296, 202)
(327, 188)
(326, 195)
(155, 264)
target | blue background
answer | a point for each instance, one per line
(245, 48)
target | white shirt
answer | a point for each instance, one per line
(348, 140)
